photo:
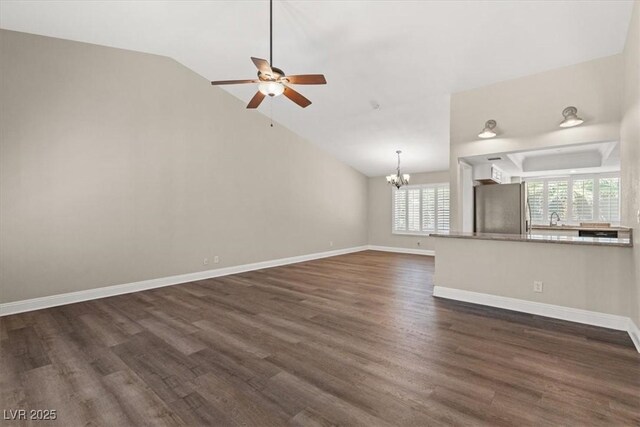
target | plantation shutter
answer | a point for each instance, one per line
(429, 209)
(421, 209)
(400, 210)
(443, 209)
(557, 197)
(609, 199)
(575, 198)
(535, 197)
(582, 199)
(413, 209)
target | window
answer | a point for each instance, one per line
(578, 198)
(420, 209)
(609, 199)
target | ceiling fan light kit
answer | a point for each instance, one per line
(272, 81)
(271, 88)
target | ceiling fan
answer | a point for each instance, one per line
(272, 81)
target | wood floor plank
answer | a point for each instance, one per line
(139, 402)
(72, 387)
(310, 418)
(244, 405)
(178, 339)
(337, 410)
(356, 339)
(12, 390)
(27, 348)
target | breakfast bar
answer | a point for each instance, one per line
(583, 279)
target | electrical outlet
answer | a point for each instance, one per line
(205, 261)
(216, 259)
(331, 243)
(537, 286)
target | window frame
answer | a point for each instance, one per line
(570, 178)
(406, 188)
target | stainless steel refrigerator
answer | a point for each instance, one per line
(500, 208)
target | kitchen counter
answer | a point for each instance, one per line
(510, 271)
(541, 238)
(577, 227)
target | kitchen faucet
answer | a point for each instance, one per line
(551, 223)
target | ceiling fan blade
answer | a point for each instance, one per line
(233, 82)
(256, 100)
(296, 97)
(307, 79)
(263, 66)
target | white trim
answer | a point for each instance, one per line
(402, 250)
(107, 291)
(594, 318)
(604, 320)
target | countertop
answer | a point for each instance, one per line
(540, 238)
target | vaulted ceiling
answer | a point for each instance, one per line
(390, 65)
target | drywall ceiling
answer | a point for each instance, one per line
(390, 65)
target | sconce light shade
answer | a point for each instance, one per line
(571, 118)
(488, 131)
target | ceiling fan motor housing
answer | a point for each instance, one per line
(277, 73)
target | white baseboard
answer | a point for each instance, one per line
(604, 320)
(90, 294)
(402, 250)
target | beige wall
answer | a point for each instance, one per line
(380, 213)
(630, 148)
(528, 111)
(118, 166)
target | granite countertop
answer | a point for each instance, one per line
(539, 238)
(578, 227)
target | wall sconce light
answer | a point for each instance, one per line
(488, 131)
(571, 118)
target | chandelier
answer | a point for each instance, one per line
(398, 179)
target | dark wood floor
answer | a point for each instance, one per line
(352, 340)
